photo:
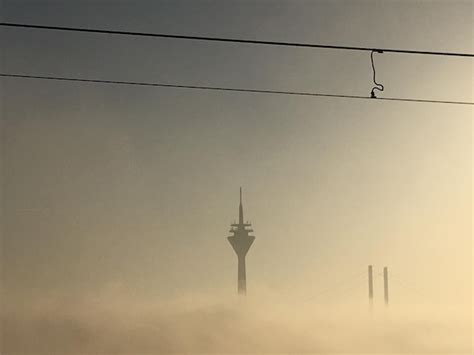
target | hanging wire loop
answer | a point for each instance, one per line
(377, 86)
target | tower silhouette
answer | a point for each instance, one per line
(241, 242)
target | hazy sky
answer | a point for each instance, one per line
(110, 185)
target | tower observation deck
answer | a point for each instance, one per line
(241, 242)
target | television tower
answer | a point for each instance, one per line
(241, 242)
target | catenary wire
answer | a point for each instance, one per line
(232, 40)
(230, 89)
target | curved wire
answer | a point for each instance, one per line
(377, 86)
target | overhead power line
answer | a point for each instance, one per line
(233, 40)
(230, 89)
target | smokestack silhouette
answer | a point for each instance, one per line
(371, 287)
(241, 242)
(385, 285)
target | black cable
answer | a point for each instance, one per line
(217, 88)
(377, 86)
(233, 40)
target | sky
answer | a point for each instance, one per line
(131, 190)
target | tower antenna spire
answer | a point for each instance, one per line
(241, 209)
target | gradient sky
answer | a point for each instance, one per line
(110, 185)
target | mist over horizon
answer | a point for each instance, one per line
(113, 322)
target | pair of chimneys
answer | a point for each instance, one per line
(371, 285)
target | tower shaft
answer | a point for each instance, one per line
(241, 276)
